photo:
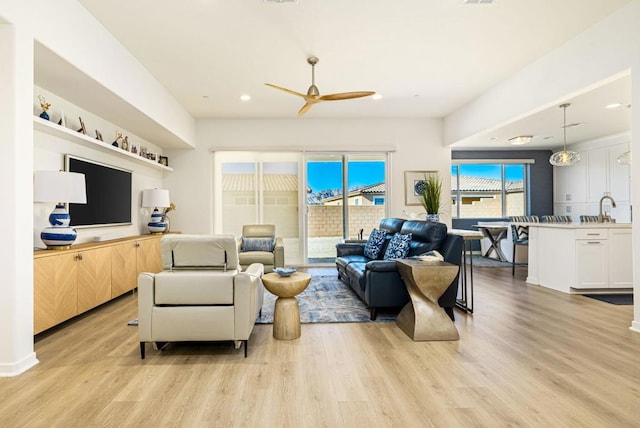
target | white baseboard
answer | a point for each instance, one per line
(18, 367)
(635, 326)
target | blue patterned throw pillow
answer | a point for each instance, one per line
(398, 248)
(374, 244)
(257, 244)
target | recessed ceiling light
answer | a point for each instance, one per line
(493, 138)
(613, 105)
(548, 137)
(478, 1)
(376, 96)
(204, 97)
(573, 125)
(245, 97)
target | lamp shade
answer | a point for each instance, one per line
(152, 198)
(59, 186)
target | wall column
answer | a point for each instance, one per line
(16, 175)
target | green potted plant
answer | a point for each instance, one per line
(430, 196)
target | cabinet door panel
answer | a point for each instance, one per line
(55, 295)
(620, 259)
(123, 268)
(597, 177)
(592, 260)
(149, 259)
(94, 278)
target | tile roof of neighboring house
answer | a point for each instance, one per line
(374, 189)
(272, 182)
(479, 184)
(289, 183)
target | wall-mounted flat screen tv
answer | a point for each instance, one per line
(108, 194)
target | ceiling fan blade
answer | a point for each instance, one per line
(345, 96)
(305, 108)
(287, 90)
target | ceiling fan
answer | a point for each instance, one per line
(313, 94)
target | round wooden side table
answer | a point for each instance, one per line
(286, 314)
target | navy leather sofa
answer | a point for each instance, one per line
(378, 282)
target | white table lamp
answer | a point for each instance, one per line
(59, 187)
(156, 198)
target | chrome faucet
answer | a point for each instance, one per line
(602, 217)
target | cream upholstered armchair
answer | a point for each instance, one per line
(201, 293)
(259, 244)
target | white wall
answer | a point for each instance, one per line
(49, 154)
(69, 30)
(602, 52)
(417, 142)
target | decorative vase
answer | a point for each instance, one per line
(44, 115)
(433, 218)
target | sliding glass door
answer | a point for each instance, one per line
(260, 188)
(346, 199)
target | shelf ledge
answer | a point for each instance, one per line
(56, 130)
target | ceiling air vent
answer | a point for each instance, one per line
(281, 1)
(478, 1)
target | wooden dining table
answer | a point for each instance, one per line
(495, 234)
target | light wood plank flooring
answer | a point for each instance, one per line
(528, 357)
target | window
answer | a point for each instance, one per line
(488, 190)
(378, 200)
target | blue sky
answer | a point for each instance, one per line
(328, 175)
(512, 172)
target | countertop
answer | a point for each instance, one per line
(580, 225)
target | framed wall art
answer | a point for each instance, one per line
(413, 183)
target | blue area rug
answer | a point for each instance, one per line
(327, 300)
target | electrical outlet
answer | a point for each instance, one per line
(567, 197)
(568, 209)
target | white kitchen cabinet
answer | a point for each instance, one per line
(579, 258)
(597, 179)
(592, 263)
(620, 259)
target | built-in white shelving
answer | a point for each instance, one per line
(56, 130)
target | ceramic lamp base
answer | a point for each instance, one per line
(157, 226)
(58, 237)
(157, 223)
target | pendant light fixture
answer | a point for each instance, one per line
(565, 157)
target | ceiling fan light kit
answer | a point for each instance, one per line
(520, 140)
(313, 94)
(564, 157)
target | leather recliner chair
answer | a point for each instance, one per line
(201, 294)
(252, 250)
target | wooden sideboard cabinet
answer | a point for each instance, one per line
(69, 282)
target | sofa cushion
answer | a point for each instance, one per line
(374, 244)
(425, 235)
(250, 257)
(356, 273)
(391, 225)
(194, 287)
(346, 260)
(258, 244)
(398, 247)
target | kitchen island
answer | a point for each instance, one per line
(579, 258)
